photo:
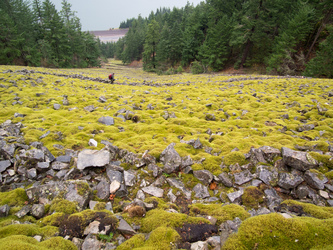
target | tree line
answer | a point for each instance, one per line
(34, 33)
(287, 37)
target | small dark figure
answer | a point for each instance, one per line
(111, 77)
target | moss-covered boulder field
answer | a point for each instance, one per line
(209, 161)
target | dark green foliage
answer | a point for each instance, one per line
(35, 33)
(278, 35)
(322, 64)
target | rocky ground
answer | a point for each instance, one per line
(113, 198)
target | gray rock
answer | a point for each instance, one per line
(243, 177)
(44, 135)
(267, 176)
(102, 99)
(324, 194)
(38, 211)
(156, 169)
(43, 166)
(93, 158)
(302, 191)
(171, 196)
(214, 242)
(129, 178)
(255, 156)
(204, 176)
(4, 210)
(61, 174)
(154, 191)
(4, 165)
(33, 155)
(140, 195)
(170, 159)
(57, 165)
(24, 211)
(306, 127)
(200, 245)
(56, 106)
(103, 190)
(107, 120)
(32, 173)
(315, 180)
(91, 243)
(289, 180)
(186, 161)
(299, 160)
(64, 158)
(269, 153)
(92, 228)
(201, 191)
(125, 228)
(8, 150)
(89, 108)
(272, 198)
(330, 202)
(180, 185)
(77, 191)
(235, 196)
(92, 143)
(225, 179)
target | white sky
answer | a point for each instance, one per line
(106, 14)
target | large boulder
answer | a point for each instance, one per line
(299, 160)
(170, 159)
(315, 180)
(289, 180)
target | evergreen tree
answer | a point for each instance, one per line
(322, 64)
(150, 45)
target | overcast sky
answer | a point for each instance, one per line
(106, 14)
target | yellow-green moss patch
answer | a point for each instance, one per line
(221, 213)
(315, 211)
(63, 206)
(158, 217)
(16, 197)
(273, 231)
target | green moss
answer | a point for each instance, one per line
(53, 219)
(273, 231)
(158, 217)
(82, 187)
(315, 211)
(19, 242)
(325, 159)
(63, 206)
(252, 197)
(162, 238)
(58, 243)
(100, 206)
(329, 175)
(19, 229)
(234, 157)
(136, 241)
(16, 197)
(221, 213)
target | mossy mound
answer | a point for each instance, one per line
(28, 230)
(158, 217)
(161, 238)
(63, 206)
(19, 242)
(273, 231)
(16, 197)
(313, 210)
(221, 213)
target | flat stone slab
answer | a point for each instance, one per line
(154, 191)
(93, 158)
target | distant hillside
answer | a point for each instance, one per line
(112, 35)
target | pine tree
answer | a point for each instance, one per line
(150, 45)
